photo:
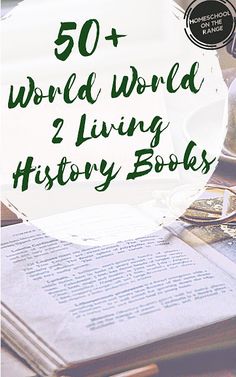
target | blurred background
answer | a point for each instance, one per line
(226, 60)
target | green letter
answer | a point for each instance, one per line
(141, 163)
(25, 172)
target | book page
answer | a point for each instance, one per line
(220, 252)
(87, 301)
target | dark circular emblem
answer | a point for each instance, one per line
(210, 24)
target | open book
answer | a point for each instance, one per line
(74, 304)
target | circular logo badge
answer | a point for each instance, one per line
(210, 24)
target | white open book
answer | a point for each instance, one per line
(73, 303)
